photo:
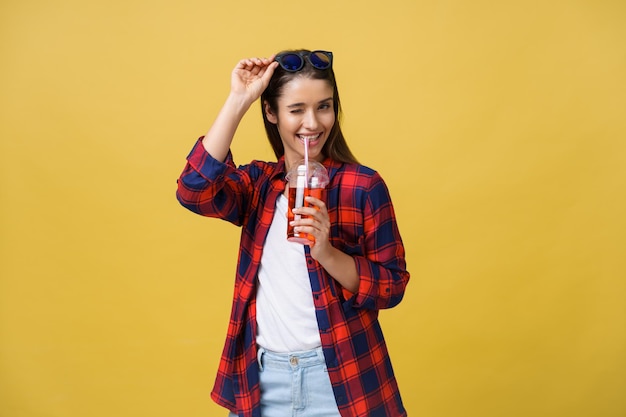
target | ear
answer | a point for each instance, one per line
(269, 113)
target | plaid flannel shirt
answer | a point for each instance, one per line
(363, 226)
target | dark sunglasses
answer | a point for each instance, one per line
(294, 61)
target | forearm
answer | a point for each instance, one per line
(342, 268)
(218, 139)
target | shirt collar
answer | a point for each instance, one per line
(332, 167)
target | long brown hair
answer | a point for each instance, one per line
(336, 146)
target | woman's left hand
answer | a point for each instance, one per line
(338, 264)
(316, 222)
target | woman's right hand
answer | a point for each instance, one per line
(248, 80)
(251, 76)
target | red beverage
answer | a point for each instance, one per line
(304, 180)
(296, 200)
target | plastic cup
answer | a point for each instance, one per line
(303, 181)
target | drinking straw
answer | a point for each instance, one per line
(306, 162)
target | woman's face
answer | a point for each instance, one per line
(304, 112)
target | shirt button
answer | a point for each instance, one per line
(293, 360)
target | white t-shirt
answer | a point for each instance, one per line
(285, 311)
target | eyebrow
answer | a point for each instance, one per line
(302, 104)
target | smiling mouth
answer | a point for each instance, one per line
(309, 138)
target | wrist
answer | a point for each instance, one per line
(239, 103)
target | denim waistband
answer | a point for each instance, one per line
(291, 360)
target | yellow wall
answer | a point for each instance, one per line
(500, 128)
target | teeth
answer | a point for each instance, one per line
(309, 137)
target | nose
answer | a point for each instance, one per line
(310, 121)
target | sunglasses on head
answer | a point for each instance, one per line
(294, 61)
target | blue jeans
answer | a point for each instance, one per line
(295, 385)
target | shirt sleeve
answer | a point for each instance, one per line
(382, 268)
(213, 188)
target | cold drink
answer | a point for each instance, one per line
(304, 180)
(296, 199)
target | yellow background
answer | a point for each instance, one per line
(499, 127)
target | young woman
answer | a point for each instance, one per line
(304, 336)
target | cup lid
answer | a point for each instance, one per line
(316, 170)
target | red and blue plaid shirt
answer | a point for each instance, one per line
(363, 226)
